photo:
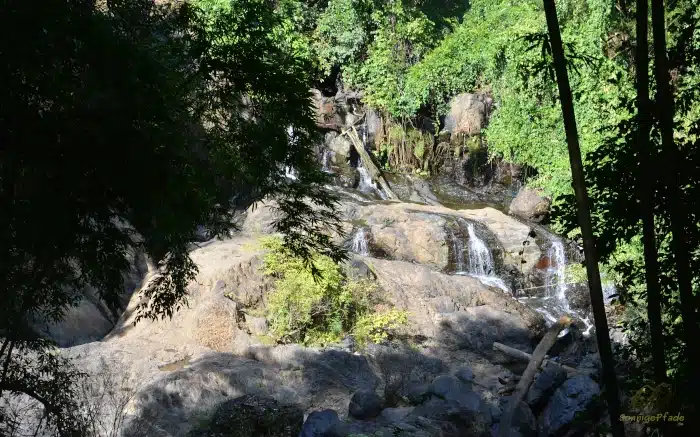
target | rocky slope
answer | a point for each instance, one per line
(174, 373)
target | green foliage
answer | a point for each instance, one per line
(124, 129)
(318, 311)
(375, 328)
(340, 33)
(614, 182)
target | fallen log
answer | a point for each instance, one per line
(529, 375)
(373, 170)
(524, 356)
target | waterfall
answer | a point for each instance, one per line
(325, 161)
(359, 242)
(290, 173)
(555, 276)
(367, 185)
(480, 259)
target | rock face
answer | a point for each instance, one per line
(468, 114)
(253, 416)
(530, 204)
(417, 233)
(92, 319)
(569, 403)
(459, 310)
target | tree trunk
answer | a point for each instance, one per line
(677, 209)
(529, 375)
(524, 356)
(372, 169)
(647, 185)
(584, 216)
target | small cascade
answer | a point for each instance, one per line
(367, 185)
(479, 263)
(290, 173)
(359, 242)
(555, 278)
(325, 161)
(480, 259)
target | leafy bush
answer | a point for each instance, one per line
(318, 310)
(375, 328)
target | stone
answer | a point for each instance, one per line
(468, 114)
(321, 424)
(524, 421)
(570, 402)
(257, 325)
(394, 415)
(466, 375)
(340, 146)
(418, 393)
(452, 389)
(548, 380)
(253, 416)
(365, 404)
(530, 204)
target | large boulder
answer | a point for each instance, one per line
(468, 114)
(460, 311)
(365, 404)
(325, 423)
(253, 416)
(530, 204)
(548, 380)
(570, 403)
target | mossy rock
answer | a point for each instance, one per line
(252, 416)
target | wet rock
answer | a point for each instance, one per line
(340, 146)
(548, 380)
(253, 416)
(570, 402)
(591, 363)
(358, 269)
(530, 204)
(365, 404)
(323, 423)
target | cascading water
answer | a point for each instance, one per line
(367, 185)
(325, 161)
(480, 259)
(555, 278)
(290, 173)
(359, 242)
(479, 263)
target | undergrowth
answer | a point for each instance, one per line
(317, 311)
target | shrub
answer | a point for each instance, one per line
(321, 309)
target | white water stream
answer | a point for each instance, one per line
(359, 242)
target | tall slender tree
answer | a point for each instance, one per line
(584, 217)
(677, 209)
(647, 189)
